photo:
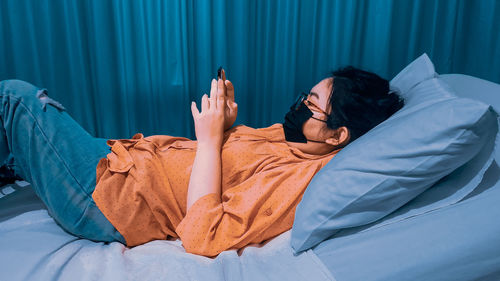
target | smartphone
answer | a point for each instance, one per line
(219, 72)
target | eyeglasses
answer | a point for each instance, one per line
(304, 98)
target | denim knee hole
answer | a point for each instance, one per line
(44, 99)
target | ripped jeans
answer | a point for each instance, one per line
(49, 149)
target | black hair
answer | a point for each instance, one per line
(360, 100)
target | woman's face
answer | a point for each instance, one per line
(316, 130)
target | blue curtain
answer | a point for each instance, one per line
(122, 67)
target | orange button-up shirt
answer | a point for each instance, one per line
(142, 189)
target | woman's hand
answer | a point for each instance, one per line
(206, 173)
(231, 107)
(209, 123)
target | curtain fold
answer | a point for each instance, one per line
(127, 66)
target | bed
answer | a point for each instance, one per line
(456, 242)
(459, 241)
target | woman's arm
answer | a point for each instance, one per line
(209, 127)
(206, 174)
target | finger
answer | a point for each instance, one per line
(205, 106)
(194, 110)
(213, 104)
(223, 75)
(233, 107)
(229, 90)
(213, 88)
(221, 88)
(220, 103)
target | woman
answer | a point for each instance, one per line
(230, 188)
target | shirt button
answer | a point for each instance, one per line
(268, 212)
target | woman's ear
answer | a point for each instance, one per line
(340, 137)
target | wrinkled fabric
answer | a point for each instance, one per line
(142, 189)
(46, 147)
(63, 257)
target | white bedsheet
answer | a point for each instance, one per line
(34, 247)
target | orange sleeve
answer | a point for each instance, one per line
(199, 227)
(260, 208)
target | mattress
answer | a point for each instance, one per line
(34, 247)
(457, 242)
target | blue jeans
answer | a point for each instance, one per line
(56, 155)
